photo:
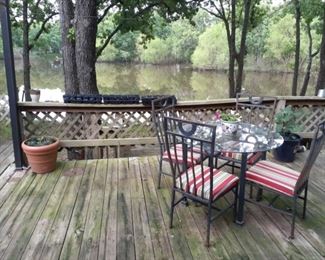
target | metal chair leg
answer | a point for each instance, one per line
(294, 213)
(305, 202)
(235, 203)
(251, 191)
(259, 194)
(172, 209)
(233, 168)
(209, 224)
(160, 173)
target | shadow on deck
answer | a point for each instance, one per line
(110, 209)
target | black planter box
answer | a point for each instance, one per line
(121, 99)
(147, 100)
(85, 99)
(91, 99)
(70, 98)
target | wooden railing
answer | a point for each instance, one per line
(83, 125)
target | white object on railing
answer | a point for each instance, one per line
(321, 93)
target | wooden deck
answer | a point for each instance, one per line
(111, 209)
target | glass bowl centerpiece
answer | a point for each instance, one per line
(229, 120)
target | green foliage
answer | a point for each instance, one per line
(286, 120)
(49, 42)
(177, 46)
(212, 50)
(256, 39)
(40, 14)
(40, 141)
(109, 54)
(157, 52)
(141, 16)
(203, 20)
(280, 45)
(126, 46)
(182, 40)
(230, 117)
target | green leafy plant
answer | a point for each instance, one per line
(287, 120)
(228, 116)
(40, 141)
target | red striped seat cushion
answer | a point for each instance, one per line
(273, 176)
(251, 157)
(179, 153)
(193, 182)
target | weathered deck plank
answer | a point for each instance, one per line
(24, 232)
(76, 225)
(47, 218)
(112, 210)
(125, 234)
(160, 240)
(107, 245)
(6, 157)
(90, 242)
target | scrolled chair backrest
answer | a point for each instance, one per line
(258, 110)
(188, 143)
(161, 107)
(316, 146)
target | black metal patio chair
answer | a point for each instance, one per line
(284, 181)
(199, 182)
(160, 108)
(257, 110)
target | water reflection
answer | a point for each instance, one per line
(182, 81)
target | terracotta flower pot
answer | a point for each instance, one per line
(42, 159)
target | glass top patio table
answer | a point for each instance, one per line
(248, 138)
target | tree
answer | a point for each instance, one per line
(211, 51)
(297, 49)
(237, 16)
(321, 73)
(86, 31)
(280, 44)
(310, 12)
(128, 16)
(71, 84)
(33, 13)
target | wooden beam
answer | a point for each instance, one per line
(109, 142)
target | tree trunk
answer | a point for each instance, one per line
(241, 55)
(297, 51)
(321, 73)
(26, 60)
(310, 61)
(86, 30)
(232, 51)
(68, 47)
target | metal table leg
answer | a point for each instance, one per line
(260, 191)
(241, 195)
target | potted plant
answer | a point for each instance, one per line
(287, 125)
(229, 120)
(41, 153)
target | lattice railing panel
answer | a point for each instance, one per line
(4, 110)
(88, 125)
(101, 122)
(310, 117)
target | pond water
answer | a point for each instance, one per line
(179, 80)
